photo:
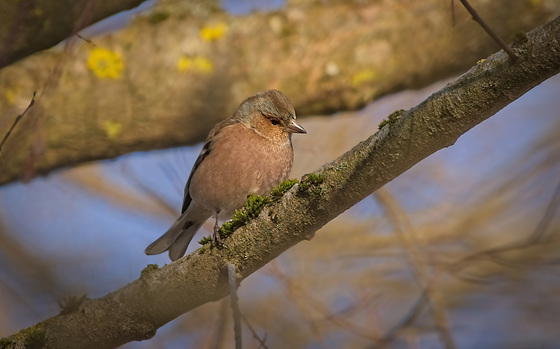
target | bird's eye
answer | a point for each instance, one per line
(275, 122)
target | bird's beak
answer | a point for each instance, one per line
(294, 127)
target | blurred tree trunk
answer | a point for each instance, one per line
(169, 76)
(30, 26)
(137, 310)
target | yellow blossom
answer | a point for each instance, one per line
(535, 3)
(112, 129)
(364, 75)
(196, 64)
(37, 11)
(10, 96)
(106, 64)
(213, 33)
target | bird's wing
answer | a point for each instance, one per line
(206, 149)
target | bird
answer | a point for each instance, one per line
(250, 152)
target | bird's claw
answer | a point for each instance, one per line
(217, 240)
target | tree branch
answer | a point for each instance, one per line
(137, 310)
(326, 56)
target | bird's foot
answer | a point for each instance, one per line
(217, 240)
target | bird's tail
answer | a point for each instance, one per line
(176, 239)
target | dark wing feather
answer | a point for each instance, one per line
(206, 149)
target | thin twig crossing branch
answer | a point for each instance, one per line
(232, 280)
(536, 237)
(17, 120)
(489, 30)
(262, 341)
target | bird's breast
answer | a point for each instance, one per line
(240, 162)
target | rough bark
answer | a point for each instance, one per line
(326, 56)
(137, 310)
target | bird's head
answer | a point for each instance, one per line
(271, 114)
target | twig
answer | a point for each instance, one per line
(405, 322)
(405, 232)
(440, 319)
(452, 13)
(70, 304)
(534, 238)
(262, 342)
(299, 298)
(489, 30)
(17, 120)
(296, 293)
(152, 194)
(232, 280)
(85, 39)
(217, 340)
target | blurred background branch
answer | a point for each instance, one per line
(27, 27)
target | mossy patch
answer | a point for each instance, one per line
(36, 338)
(253, 206)
(71, 304)
(383, 123)
(310, 180)
(205, 246)
(282, 189)
(157, 17)
(519, 38)
(250, 210)
(149, 269)
(391, 119)
(5, 342)
(205, 240)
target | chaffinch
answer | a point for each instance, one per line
(251, 152)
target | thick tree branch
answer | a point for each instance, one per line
(181, 71)
(137, 310)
